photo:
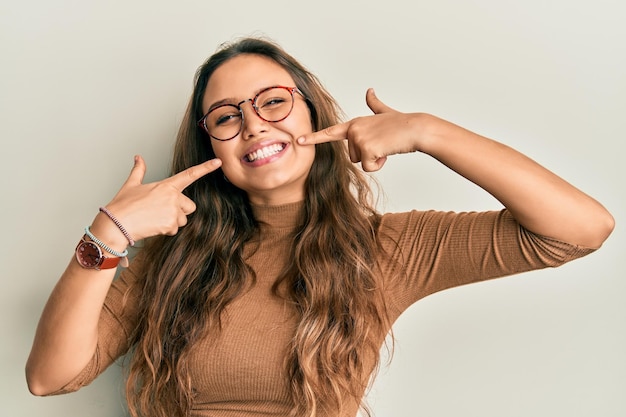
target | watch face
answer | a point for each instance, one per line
(88, 254)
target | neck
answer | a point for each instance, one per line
(275, 199)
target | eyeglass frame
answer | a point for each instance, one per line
(202, 122)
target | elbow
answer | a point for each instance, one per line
(53, 374)
(37, 383)
(602, 227)
(37, 390)
(609, 226)
(35, 386)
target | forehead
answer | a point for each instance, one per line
(243, 76)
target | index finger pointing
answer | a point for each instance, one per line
(329, 134)
(187, 177)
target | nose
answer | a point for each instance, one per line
(252, 124)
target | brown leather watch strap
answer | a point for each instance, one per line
(108, 263)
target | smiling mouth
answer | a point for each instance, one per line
(263, 153)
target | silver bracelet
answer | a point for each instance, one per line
(104, 245)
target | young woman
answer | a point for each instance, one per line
(268, 282)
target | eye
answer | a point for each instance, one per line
(227, 118)
(272, 101)
(224, 116)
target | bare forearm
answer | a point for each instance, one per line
(67, 333)
(540, 200)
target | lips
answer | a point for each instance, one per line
(263, 151)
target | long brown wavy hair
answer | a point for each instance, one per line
(331, 280)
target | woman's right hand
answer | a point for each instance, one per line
(157, 208)
(68, 332)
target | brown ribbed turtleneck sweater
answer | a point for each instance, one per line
(240, 372)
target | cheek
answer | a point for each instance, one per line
(298, 123)
(305, 124)
(223, 150)
(309, 153)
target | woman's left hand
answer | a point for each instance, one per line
(371, 139)
(539, 200)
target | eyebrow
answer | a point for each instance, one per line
(232, 101)
(221, 103)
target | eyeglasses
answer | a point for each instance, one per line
(272, 104)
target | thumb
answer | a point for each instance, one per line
(138, 171)
(375, 104)
(373, 165)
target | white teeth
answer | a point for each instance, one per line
(265, 152)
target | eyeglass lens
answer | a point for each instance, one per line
(272, 105)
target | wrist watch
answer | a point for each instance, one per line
(90, 256)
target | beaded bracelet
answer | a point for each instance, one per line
(104, 245)
(131, 242)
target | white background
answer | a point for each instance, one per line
(85, 85)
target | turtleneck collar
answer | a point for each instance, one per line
(284, 216)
